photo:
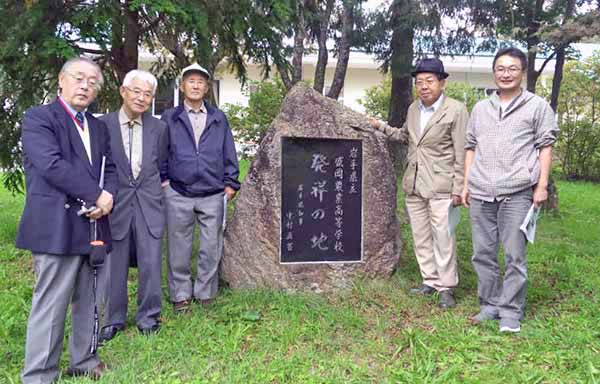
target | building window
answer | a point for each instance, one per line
(164, 98)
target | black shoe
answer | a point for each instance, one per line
(447, 299)
(424, 290)
(93, 374)
(108, 333)
(150, 330)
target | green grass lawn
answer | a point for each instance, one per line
(374, 333)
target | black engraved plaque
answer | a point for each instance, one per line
(321, 200)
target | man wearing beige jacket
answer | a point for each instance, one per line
(435, 131)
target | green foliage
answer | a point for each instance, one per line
(250, 123)
(465, 93)
(578, 147)
(377, 98)
(373, 333)
(37, 37)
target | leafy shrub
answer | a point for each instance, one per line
(250, 123)
(377, 99)
(464, 93)
(578, 147)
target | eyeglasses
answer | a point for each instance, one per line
(510, 70)
(81, 79)
(138, 92)
(422, 83)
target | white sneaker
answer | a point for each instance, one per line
(510, 325)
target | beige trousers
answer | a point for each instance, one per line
(434, 248)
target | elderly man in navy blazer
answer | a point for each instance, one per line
(202, 169)
(137, 223)
(64, 150)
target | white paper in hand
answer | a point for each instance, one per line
(225, 199)
(453, 218)
(530, 222)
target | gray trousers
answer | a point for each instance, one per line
(493, 223)
(60, 280)
(148, 252)
(182, 213)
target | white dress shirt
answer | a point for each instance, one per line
(131, 133)
(427, 112)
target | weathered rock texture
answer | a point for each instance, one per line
(251, 257)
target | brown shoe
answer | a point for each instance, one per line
(181, 306)
(93, 374)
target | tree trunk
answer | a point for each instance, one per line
(557, 79)
(343, 56)
(401, 67)
(125, 39)
(401, 63)
(324, 17)
(299, 35)
(532, 74)
(552, 203)
(560, 60)
(533, 15)
(285, 77)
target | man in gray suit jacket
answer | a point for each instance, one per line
(138, 219)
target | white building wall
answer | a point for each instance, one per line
(363, 72)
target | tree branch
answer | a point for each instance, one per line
(151, 23)
(92, 51)
(548, 59)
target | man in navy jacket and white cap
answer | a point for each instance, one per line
(201, 169)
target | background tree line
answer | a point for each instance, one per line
(40, 35)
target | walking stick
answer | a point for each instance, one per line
(96, 260)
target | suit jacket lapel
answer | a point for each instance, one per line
(414, 122)
(95, 144)
(74, 138)
(147, 139)
(119, 155)
(435, 118)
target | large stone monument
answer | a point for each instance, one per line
(317, 209)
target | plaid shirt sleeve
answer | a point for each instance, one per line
(471, 139)
(546, 128)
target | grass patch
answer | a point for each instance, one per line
(374, 332)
